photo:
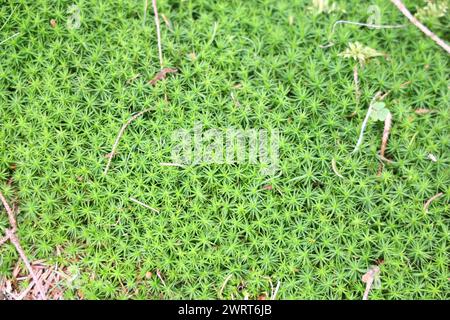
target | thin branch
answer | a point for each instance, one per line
(375, 26)
(145, 12)
(10, 15)
(13, 36)
(366, 119)
(119, 135)
(427, 204)
(3, 240)
(223, 285)
(356, 80)
(274, 292)
(216, 24)
(368, 279)
(369, 25)
(158, 32)
(167, 22)
(160, 277)
(384, 138)
(144, 205)
(334, 167)
(11, 217)
(399, 4)
(10, 234)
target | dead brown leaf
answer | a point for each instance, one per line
(162, 75)
(422, 111)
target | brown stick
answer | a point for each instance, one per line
(10, 234)
(427, 204)
(399, 4)
(356, 79)
(384, 139)
(3, 240)
(11, 217)
(368, 279)
(158, 32)
(119, 135)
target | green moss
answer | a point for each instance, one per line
(64, 96)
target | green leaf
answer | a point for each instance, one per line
(379, 111)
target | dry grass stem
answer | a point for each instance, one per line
(384, 139)
(223, 285)
(334, 167)
(144, 205)
(158, 33)
(119, 135)
(399, 4)
(427, 204)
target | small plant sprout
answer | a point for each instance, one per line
(4, 24)
(144, 205)
(434, 9)
(429, 201)
(362, 54)
(324, 6)
(377, 111)
(399, 4)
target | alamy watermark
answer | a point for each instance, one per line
(227, 146)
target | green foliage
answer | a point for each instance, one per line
(379, 111)
(359, 52)
(434, 9)
(324, 6)
(64, 94)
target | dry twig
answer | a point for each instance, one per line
(223, 285)
(399, 4)
(366, 119)
(144, 205)
(119, 135)
(10, 234)
(274, 292)
(384, 139)
(369, 25)
(160, 277)
(145, 12)
(162, 75)
(158, 32)
(369, 279)
(427, 204)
